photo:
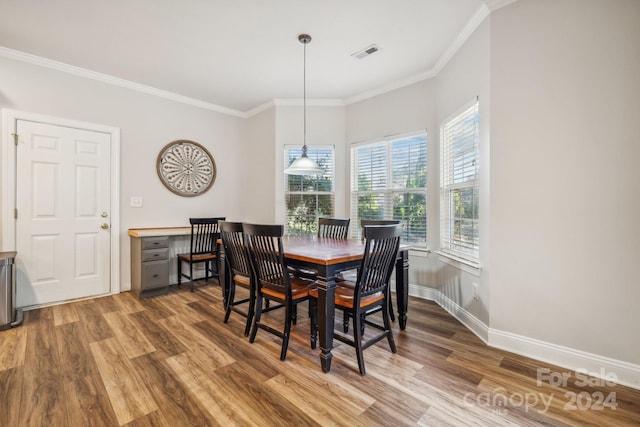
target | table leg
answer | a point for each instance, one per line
(326, 318)
(402, 287)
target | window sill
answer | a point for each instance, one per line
(469, 266)
(419, 252)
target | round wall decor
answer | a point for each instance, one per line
(186, 168)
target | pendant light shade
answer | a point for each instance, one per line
(304, 165)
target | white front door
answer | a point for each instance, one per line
(63, 213)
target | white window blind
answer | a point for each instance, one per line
(389, 182)
(459, 181)
(309, 197)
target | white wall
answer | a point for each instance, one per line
(325, 126)
(258, 172)
(407, 109)
(463, 79)
(558, 88)
(147, 124)
(565, 181)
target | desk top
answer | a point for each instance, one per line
(160, 231)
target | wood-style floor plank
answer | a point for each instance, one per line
(171, 361)
(129, 396)
(13, 344)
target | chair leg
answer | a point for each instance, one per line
(345, 321)
(313, 311)
(357, 338)
(230, 298)
(179, 272)
(256, 319)
(390, 306)
(191, 275)
(387, 327)
(289, 312)
(250, 312)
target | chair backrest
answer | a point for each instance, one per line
(333, 228)
(365, 222)
(234, 248)
(264, 244)
(381, 249)
(204, 234)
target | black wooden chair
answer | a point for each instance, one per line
(203, 248)
(365, 222)
(237, 259)
(333, 228)
(328, 228)
(368, 294)
(351, 275)
(273, 281)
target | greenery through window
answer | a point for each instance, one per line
(459, 180)
(389, 181)
(309, 197)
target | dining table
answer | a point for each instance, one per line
(328, 257)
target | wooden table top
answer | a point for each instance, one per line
(321, 250)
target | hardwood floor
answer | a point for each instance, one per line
(170, 361)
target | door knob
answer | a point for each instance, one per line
(104, 226)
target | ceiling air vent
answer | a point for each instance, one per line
(369, 50)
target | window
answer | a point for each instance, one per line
(389, 181)
(459, 181)
(309, 197)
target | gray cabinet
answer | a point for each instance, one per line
(149, 265)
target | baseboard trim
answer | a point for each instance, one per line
(626, 374)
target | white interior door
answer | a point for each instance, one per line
(63, 213)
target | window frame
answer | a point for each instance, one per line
(388, 190)
(312, 225)
(453, 181)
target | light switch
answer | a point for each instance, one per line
(136, 202)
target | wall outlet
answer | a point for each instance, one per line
(476, 295)
(135, 202)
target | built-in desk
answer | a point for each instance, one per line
(152, 250)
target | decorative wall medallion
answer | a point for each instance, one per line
(186, 168)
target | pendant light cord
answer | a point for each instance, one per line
(304, 99)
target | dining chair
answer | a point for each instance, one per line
(351, 275)
(368, 294)
(366, 222)
(329, 228)
(333, 228)
(237, 259)
(203, 248)
(273, 281)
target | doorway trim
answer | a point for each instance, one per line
(9, 180)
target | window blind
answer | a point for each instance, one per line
(459, 181)
(309, 197)
(389, 181)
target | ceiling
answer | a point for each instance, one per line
(241, 54)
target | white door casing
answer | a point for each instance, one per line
(65, 191)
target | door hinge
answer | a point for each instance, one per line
(15, 139)
(15, 213)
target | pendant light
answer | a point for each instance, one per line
(304, 165)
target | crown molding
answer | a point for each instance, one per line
(475, 21)
(459, 41)
(294, 103)
(485, 10)
(105, 78)
(310, 102)
(497, 4)
(389, 87)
